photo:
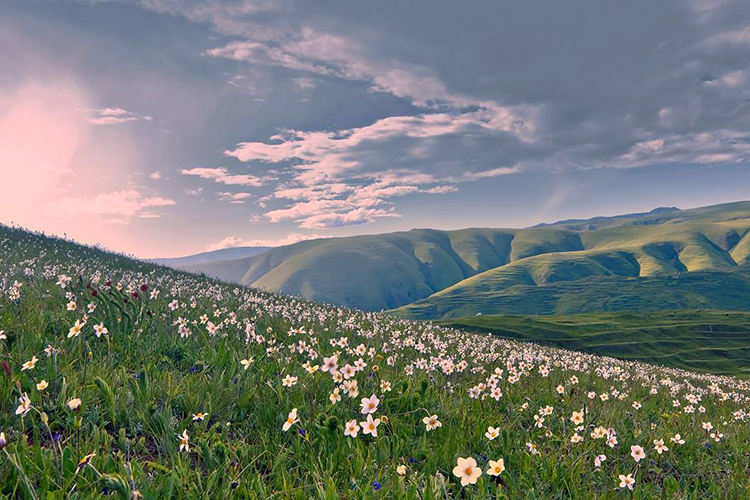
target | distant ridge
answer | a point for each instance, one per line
(208, 257)
(594, 220)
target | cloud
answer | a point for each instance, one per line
(116, 207)
(155, 175)
(337, 173)
(236, 198)
(440, 190)
(234, 241)
(114, 116)
(354, 217)
(221, 176)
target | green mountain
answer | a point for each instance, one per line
(664, 259)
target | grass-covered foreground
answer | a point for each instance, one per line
(125, 380)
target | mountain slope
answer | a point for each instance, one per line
(432, 271)
(208, 257)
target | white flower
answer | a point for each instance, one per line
(496, 467)
(369, 405)
(627, 481)
(184, 440)
(290, 420)
(492, 432)
(351, 429)
(467, 470)
(25, 405)
(637, 453)
(431, 423)
(370, 426)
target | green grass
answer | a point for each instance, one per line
(488, 294)
(703, 341)
(439, 272)
(141, 384)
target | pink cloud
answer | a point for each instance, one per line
(354, 217)
(221, 176)
(114, 116)
(113, 207)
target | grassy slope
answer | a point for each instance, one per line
(621, 264)
(141, 383)
(706, 341)
(422, 267)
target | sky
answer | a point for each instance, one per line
(169, 127)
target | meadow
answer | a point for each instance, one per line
(122, 379)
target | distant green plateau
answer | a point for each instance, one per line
(704, 341)
(666, 259)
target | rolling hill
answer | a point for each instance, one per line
(669, 256)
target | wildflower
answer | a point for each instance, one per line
(401, 470)
(184, 441)
(351, 429)
(576, 438)
(385, 386)
(75, 330)
(84, 461)
(577, 417)
(74, 404)
(289, 381)
(330, 364)
(2, 335)
(25, 405)
(431, 423)
(560, 389)
(42, 385)
(100, 330)
(199, 416)
(369, 405)
(335, 396)
(677, 439)
(291, 419)
(348, 371)
(376, 485)
(467, 470)
(370, 426)
(659, 446)
(599, 459)
(496, 393)
(637, 453)
(532, 448)
(492, 432)
(496, 467)
(63, 280)
(3, 441)
(246, 363)
(636, 405)
(29, 365)
(627, 481)
(71, 306)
